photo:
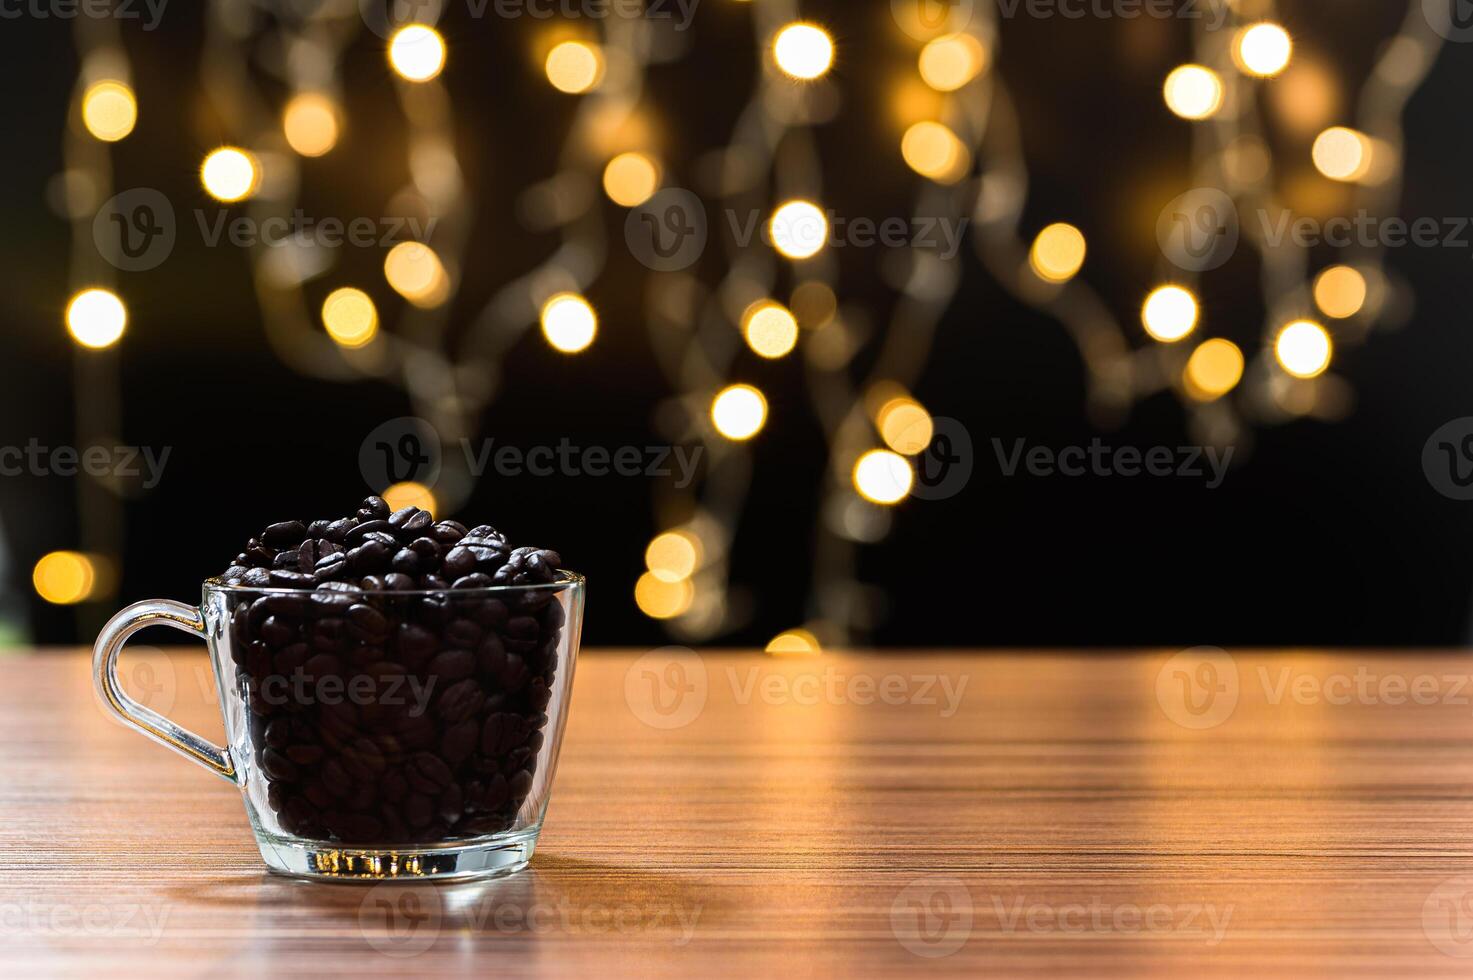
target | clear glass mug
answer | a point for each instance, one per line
(377, 734)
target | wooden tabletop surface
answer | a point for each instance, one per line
(737, 814)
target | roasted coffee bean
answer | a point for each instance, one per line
(287, 534)
(406, 562)
(452, 665)
(383, 538)
(459, 740)
(459, 562)
(278, 733)
(283, 579)
(459, 701)
(256, 578)
(428, 773)
(418, 809)
(399, 582)
(485, 534)
(288, 560)
(463, 633)
(358, 533)
(277, 632)
(417, 524)
(448, 532)
(305, 755)
(428, 551)
(473, 581)
(278, 766)
(338, 530)
(432, 582)
(377, 506)
(367, 623)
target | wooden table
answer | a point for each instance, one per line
(736, 814)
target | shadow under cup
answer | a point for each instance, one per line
(379, 734)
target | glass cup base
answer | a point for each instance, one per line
(481, 857)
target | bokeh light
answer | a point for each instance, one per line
(630, 179)
(410, 494)
(1193, 92)
(803, 51)
(569, 322)
(230, 174)
(739, 412)
(1058, 252)
(799, 229)
(1213, 370)
(417, 52)
(883, 477)
(1340, 291)
(1262, 49)
(948, 63)
(1169, 313)
(96, 318)
(310, 122)
(574, 67)
(109, 110)
(932, 150)
(1342, 154)
(905, 425)
(673, 556)
(659, 599)
(794, 643)
(770, 328)
(349, 317)
(415, 272)
(64, 578)
(1303, 349)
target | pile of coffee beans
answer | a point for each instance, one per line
(389, 702)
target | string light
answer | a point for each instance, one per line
(883, 477)
(410, 494)
(310, 124)
(574, 67)
(1214, 369)
(230, 174)
(932, 150)
(948, 63)
(1340, 291)
(415, 272)
(1058, 253)
(350, 317)
(109, 110)
(64, 578)
(96, 318)
(770, 328)
(1303, 349)
(1169, 313)
(803, 51)
(417, 52)
(739, 412)
(673, 556)
(1263, 49)
(630, 179)
(569, 323)
(1193, 92)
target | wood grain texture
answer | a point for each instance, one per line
(848, 815)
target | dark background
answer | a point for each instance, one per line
(1326, 534)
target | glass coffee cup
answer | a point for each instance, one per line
(377, 734)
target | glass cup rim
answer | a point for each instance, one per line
(567, 580)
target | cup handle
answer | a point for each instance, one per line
(159, 612)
